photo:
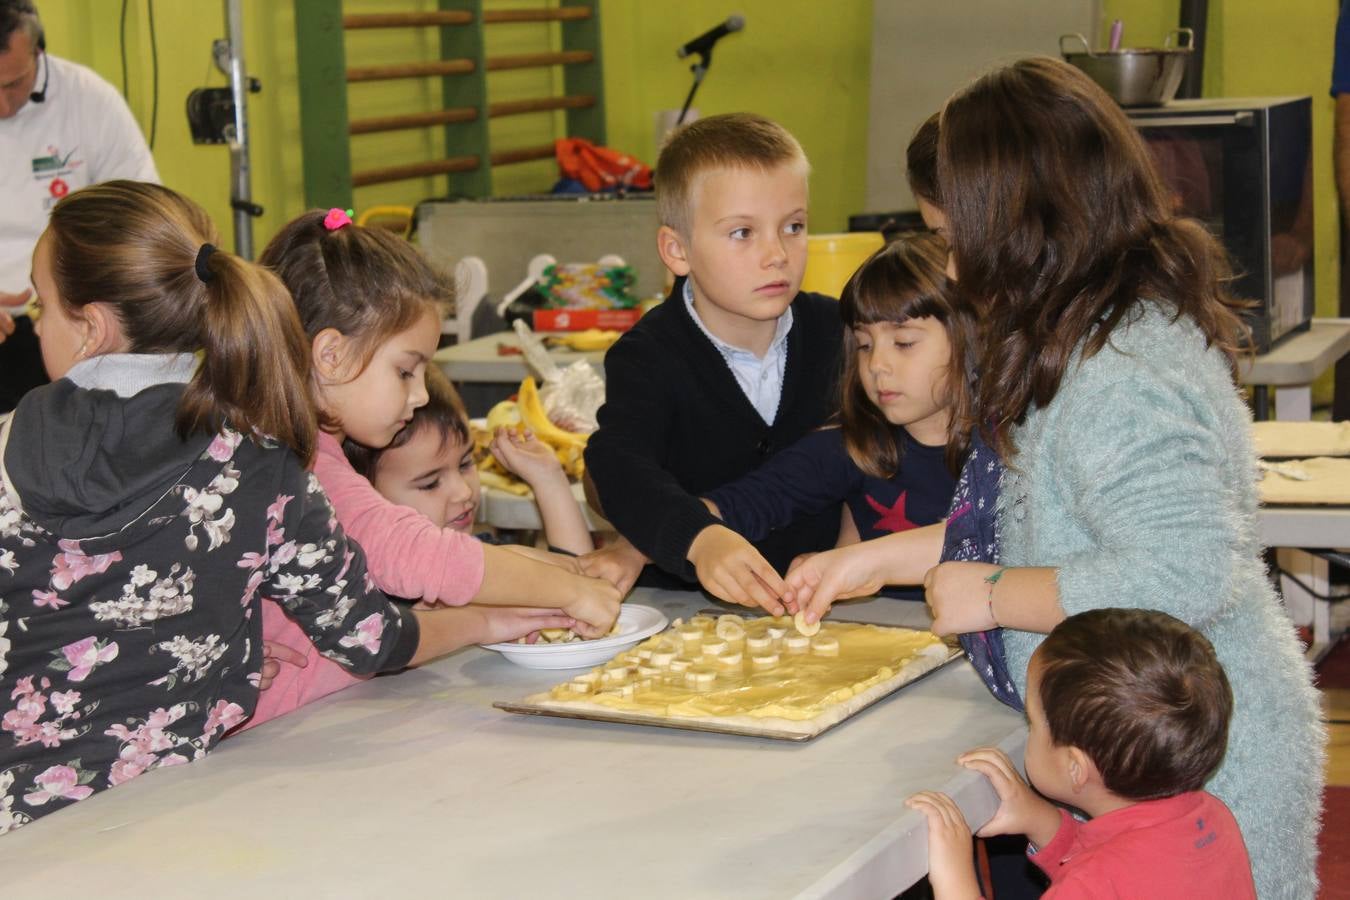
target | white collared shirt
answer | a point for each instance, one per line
(83, 133)
(760, 378)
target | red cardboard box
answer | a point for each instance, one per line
(581, 319)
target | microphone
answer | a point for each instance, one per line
(703, 44)
(40, 95)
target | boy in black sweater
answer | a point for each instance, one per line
(735, 365)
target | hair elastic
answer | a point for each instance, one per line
(336, 218)
(204, 274)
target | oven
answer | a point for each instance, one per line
(1243, 167)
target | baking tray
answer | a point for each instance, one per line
(766, 730)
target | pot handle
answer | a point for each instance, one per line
(1075, 36)
(1178, 34)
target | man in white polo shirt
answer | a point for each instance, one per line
(62, 127)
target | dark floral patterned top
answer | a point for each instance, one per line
(131, 567)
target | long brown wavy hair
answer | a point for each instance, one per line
(135, 246)
(1060, 227)
(903, 280)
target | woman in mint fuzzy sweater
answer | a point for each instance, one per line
(1107, 385)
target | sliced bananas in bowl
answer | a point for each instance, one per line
(635, 624)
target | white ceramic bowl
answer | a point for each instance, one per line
(635, 624)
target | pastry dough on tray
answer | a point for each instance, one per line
(1301, 439)
(1328, 483)
(748, 676)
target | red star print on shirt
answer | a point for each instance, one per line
(891, 518)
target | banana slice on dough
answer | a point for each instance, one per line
(825, 645)
(756, 644)
(700, 679)
(799, 622)
(714, 647)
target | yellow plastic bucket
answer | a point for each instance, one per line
(831, 259)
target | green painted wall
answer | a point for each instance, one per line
(774, 67)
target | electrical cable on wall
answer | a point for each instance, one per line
(122, 43)
(154, 63)
(154, 74)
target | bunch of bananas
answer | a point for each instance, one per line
(527, 411)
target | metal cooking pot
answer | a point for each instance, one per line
(1139, 77)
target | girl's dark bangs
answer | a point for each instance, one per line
(886, 289)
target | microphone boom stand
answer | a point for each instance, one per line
(699, 69)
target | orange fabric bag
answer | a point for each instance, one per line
(600, 168)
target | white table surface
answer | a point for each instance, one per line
(1315, 527)
(415, 785)
(478, 361)
(503, 509)
(1301, 357)
(1319, 527)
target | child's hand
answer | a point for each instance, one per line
(951, 869)
(561, 560)
(958, 595)
(731, 569)
(525, 455)
(619, 563)
(274, 655)
(814, 582)
(1020, 810)
(510, 623)
(594, 606)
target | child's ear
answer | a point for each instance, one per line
(671, 246)
(102, 329)
(1080, 769)
(329, 352)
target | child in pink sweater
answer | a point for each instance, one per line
(1127, 716)
(371, 308)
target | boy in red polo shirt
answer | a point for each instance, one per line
(1127, 714)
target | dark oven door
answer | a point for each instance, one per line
(1212, 165)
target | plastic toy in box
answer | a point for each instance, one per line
(587, 295)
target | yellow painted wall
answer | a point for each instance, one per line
(804, 63)
(808, 69)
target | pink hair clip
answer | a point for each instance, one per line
(336, 218)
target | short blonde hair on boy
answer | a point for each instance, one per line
(731, 140)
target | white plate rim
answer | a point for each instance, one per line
(658, 623)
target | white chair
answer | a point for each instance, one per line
(471, 285)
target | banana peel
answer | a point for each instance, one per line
(527, 411)
(494, 479)
(536, 419)
(504, 415)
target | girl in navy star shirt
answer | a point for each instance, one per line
(902, 430)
